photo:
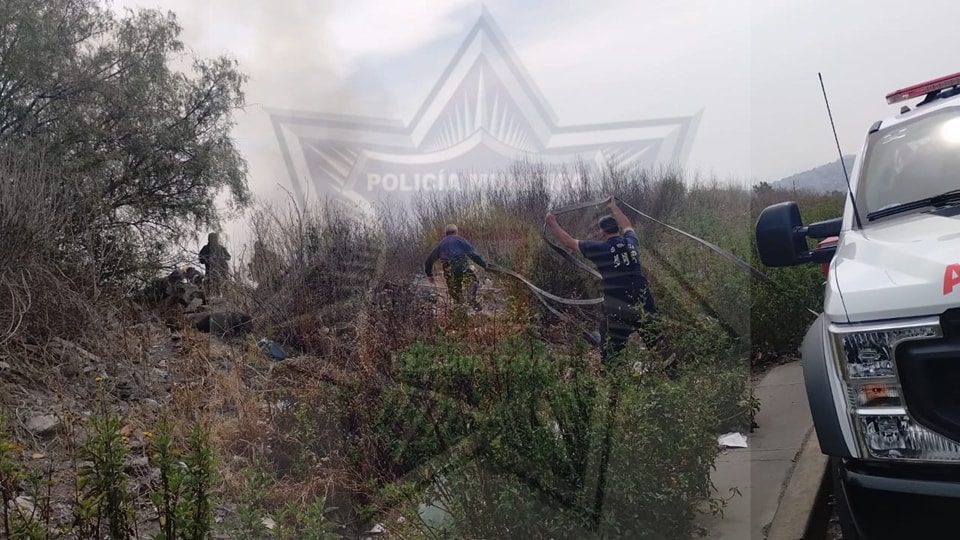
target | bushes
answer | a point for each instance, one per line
(314, 271)
(779, 317)
(501, 419)
(140, 148)
(105, 498)
(43, 292)
(516, 435)
(104, 503)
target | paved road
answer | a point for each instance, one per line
(759, 471)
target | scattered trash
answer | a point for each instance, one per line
(640, 367)
(272, 349)
(269, 523)
(377, 529)
(285, 405)
(4, 366)
(733, 440)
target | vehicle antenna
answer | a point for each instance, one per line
(843, 164)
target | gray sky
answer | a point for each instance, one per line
(750, 66)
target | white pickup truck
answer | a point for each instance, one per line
(882, 362)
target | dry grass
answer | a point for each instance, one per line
(340, 295)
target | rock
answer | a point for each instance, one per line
(223, 323)
(124, 390)
(24, 504)
(72, 350)
(69, 371)
(43, 424)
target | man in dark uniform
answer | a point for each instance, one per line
(626, 295)
(216, 261)
(455, 254)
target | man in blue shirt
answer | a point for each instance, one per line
(455, 254)
(626, 294)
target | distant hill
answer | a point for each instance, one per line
(822, 179)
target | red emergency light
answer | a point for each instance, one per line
(923, 89)
(827, 242)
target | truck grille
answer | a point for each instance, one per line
(929, 373)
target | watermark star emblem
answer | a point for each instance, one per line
(484, 114)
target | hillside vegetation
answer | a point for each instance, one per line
(398, 409)
(395, 411)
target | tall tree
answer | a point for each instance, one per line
(133, 128)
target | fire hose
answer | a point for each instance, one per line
(543, 296)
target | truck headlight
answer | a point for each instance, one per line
(869, 353)
(867, 362)
(896, 436)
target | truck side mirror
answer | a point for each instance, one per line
(782, 238)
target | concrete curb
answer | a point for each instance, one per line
(802, 512)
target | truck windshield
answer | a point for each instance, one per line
(911, 161)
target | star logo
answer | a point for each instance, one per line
(483, 115)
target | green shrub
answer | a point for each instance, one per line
(10, 477)
(252, 505)
(779, 316)
(200, 474)
(307, 522)
(549, 448)
(103, 482)
(167, 492)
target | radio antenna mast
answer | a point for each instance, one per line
(846, 176)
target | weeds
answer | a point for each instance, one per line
(253, 504)
(395, 406)
(311, 521)
(10, 478)
(196, 512)
(169, 489)
(106, 497)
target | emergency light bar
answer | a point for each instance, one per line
(923, 89)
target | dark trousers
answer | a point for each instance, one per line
(216, 274)
(458, 277)
(624, 315)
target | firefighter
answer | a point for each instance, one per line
(627, 299)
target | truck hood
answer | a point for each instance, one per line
(901, 267)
